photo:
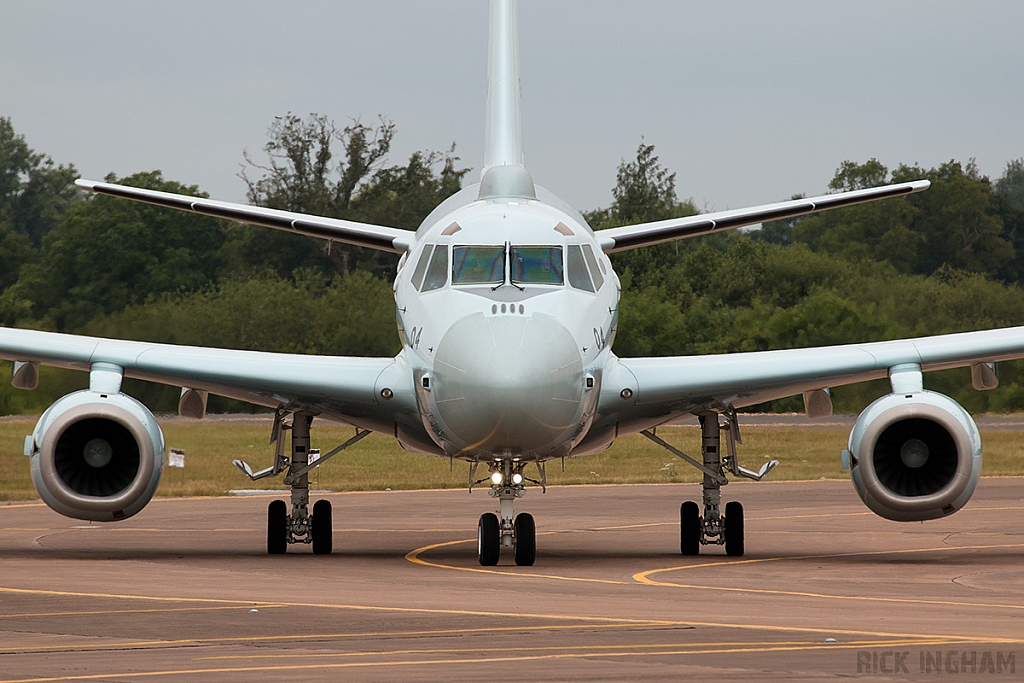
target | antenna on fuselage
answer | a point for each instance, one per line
(504, 174)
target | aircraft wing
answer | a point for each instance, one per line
(646, 234)
(672, 386)
(361, 234)
(340, 387)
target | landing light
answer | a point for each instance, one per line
(517, 478)
(496, 478)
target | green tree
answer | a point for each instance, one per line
(35, 193)
(950, 227)
(303, 175)
(346, 316)
(853, 176)
(15, 251)
(1007, 203)
(1011, 183)
(307, 173)
(644, 191)
(954, 222)
(110, 253)
(402, 196)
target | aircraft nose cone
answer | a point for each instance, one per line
(508, 383)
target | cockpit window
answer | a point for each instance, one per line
(578, 275)
(595, 272)
(437, 273)
(478, 265)
(536, 265)
(421, 266)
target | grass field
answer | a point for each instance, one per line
(377, 462)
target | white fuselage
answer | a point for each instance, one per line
(507, 310)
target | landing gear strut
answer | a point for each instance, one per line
(713, 528)
(506, 529)
(299, 526)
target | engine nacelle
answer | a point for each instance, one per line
(915, 456)
(97, 456)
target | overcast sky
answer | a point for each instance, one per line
(748, 103)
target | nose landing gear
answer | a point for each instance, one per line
(506, 529)
(488, 539)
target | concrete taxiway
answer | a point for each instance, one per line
(185, 591)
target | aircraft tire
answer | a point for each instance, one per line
(526, 540)
(321, 528)
(277, 527)
(488, 539)
(734, 529)
(689, 528)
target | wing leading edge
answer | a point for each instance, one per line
(646, 234)
(340, 387)
(672, 386)
(360, 234)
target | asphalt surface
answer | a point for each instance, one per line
(185, 592)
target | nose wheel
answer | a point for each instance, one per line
(489, 538)
(526, 540)
(517, 532)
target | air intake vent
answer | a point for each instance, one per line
(97, 457)
(915, 457)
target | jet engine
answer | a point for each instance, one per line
(96, 456)
(915, 456)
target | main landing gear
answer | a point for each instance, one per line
(298, 525)
(713, 528)
(506, 529)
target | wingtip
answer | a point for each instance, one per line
(86, 184)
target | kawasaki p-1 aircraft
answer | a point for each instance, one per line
(507, 309)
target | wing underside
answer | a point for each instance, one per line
(343, 388)
(646, 234)
(350, 232)
(673, 386)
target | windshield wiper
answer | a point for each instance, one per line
(508, 271)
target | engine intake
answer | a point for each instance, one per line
(915, 456)
(97, 456)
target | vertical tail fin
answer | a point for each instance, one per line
(504, 173)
